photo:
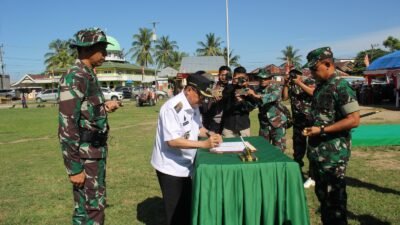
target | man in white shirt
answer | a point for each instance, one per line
(179, 126)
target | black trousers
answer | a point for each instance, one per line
(177, 196)
(299, 145)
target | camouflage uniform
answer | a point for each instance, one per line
(271, 118)
(300, 103)
(81, 108)
(333, 100)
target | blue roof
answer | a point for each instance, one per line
(389, 61)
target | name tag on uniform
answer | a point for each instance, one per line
(185, 123)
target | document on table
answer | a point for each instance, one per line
(232, 147)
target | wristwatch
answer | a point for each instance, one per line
(322, 132)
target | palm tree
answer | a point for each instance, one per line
(60, 55)
(290, 56)
(141, 47)
(212, 46)
(164, 49)
(176, 59)
(233, 59)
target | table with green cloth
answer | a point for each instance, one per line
(229, 191)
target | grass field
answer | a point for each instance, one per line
(35, 189)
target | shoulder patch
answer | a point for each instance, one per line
(178, 107)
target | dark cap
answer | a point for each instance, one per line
(264, 74)
(88, 37)
(201, 83)
(317, 55)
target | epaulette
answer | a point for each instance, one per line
(178, 107)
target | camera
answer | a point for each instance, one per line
(292, 75)
(242, 80)
(241, 91)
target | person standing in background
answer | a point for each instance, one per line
(212, 111)
(300, 91)
(237, 105)
(271, 116)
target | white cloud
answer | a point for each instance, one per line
(351, 46)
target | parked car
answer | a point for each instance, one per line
(47, 95)
(126, 91)
(111, 95)
(8, 93)
(136, 91)
(159, 94)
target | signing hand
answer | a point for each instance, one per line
(78, 179)
(214, 140)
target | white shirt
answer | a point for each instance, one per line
(177, 119)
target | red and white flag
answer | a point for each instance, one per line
(366, 60)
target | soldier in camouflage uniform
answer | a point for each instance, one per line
(83, 127)
(300, 93)
(335, 112)
(271, 117)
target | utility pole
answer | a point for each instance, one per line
(154, 38)
(1, 60)
(372, 49)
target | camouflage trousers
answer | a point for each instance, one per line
(299, 145)
(331, 193)
(274, 135)
(90, 200)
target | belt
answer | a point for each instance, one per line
(95, 138)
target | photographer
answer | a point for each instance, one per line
(212, 110)
(300, 93)
(272, 119)
(237, 105)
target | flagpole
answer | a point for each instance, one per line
(227, 32)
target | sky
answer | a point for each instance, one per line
(258, 29)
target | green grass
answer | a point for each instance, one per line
(35, 189)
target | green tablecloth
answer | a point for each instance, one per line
(229, 191)
(376, 135)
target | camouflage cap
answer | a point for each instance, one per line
(88, 37)
(264, 74)
(317, 55)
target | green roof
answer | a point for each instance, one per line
(115, 45)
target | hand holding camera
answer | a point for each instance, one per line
(242, 91)
(294, 76)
